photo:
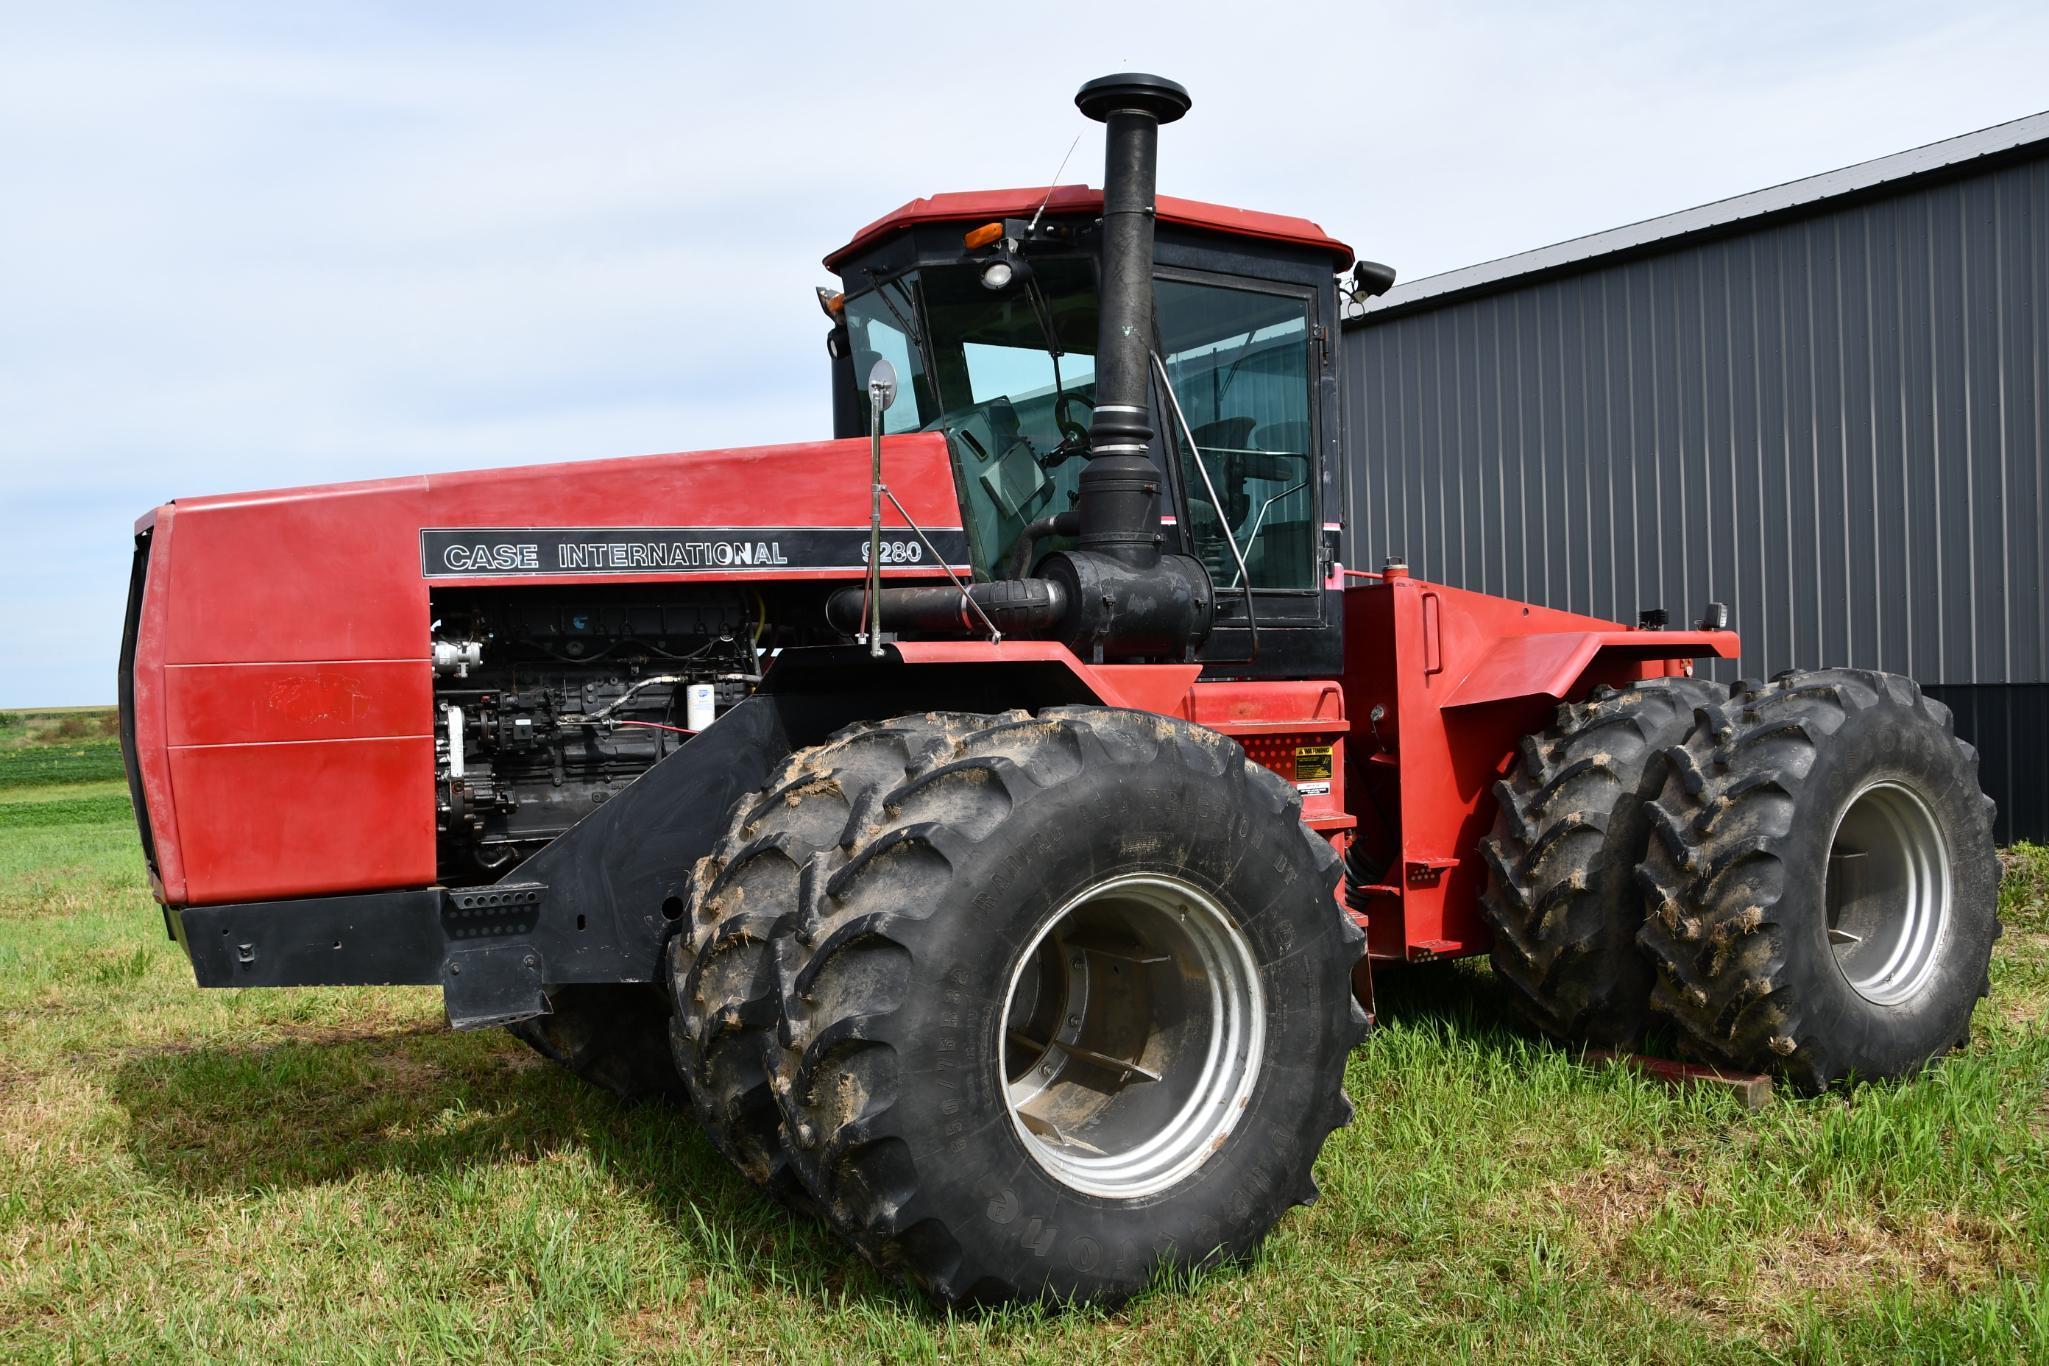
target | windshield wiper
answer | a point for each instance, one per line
(1068, 445)
(911, 333)
(1043, 311)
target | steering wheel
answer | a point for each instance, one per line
(1074, 437)
(1071, 429)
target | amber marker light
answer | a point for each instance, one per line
(977, 238)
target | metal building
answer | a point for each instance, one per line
(1823, 403)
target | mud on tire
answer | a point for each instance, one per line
(1561, 896)
(909, 961)
(720, 968)
(1821, 885)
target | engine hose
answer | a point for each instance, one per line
(591, 718)
(1059, 524)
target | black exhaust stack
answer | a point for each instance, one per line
(1121, 485)
(1115, 597)
(1125, 600)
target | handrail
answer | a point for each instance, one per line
(1244, 574)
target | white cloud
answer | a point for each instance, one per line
(244, 245)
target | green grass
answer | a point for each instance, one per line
(59, 745)
(56, 726)
(332, 1174)
(75, 761)
(65, 803)
(61, 766)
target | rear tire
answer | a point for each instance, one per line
(1569, 831)
(951, 1102)
(1822, 888)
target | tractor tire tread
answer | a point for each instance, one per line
(1719, 911)
(1559, 894)
(721, 968)
(842, 966)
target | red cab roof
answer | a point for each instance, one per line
(984, 205)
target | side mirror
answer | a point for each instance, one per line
(881, 385)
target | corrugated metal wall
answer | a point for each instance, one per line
(2009, 723)
(1834, 423)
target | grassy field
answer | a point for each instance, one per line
(63, 745)
(333, 1174)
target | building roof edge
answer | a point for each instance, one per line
(1719, 214)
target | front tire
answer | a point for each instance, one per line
(1062, 1001)
(777, 846)
(1822, 888)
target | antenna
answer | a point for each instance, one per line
(1032, 226)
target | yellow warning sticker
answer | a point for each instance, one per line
(1312, 761)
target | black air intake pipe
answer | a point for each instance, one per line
(1120, 488)
(1127, 600)
(1115, 596)
(1016, 607)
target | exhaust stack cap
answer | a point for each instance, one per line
(1165, 100)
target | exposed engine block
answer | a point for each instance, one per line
(549, 701)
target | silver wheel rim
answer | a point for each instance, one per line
(1133, 1028)
(1888, 893)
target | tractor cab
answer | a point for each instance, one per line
(986, 305)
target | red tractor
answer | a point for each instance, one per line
(987, 818)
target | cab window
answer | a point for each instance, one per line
(884, 327)
(1008, 375)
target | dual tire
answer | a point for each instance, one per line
(1821, 882)
(1795, 877)
(1026, 1008)
(1570, 828)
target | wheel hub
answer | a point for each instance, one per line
(1888, 893)
(1133, 1031)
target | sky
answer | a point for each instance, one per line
(257, 245)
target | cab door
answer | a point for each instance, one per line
(1247, 360)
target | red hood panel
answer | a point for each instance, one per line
(284, 720)
(335, 571)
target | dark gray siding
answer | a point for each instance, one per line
(1834, 422)
(2009, 723)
